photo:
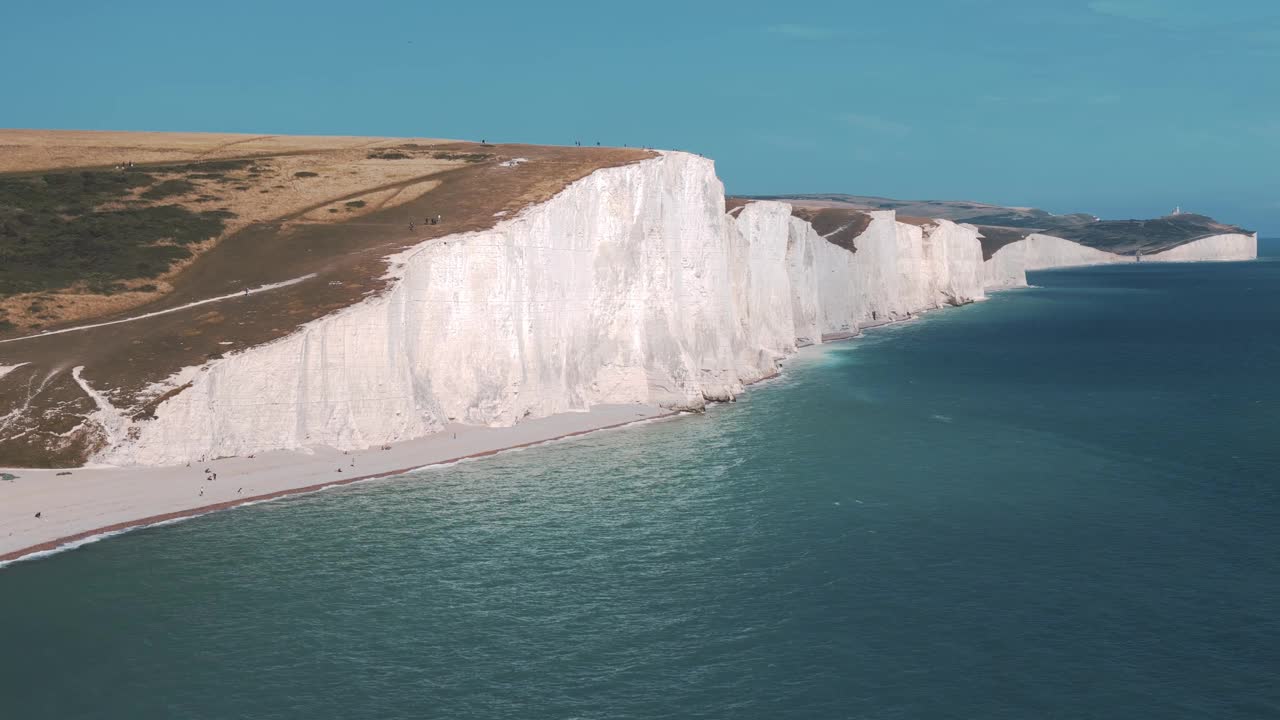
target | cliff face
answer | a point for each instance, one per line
(897, 269)
(1007, 268)
(1231, 246)
(1001, 225)
(631, 285)
(1009, 265)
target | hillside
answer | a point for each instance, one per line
(178, 248)
(1001, 226)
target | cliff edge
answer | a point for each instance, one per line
(631, 280)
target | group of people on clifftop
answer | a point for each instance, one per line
(428, 220)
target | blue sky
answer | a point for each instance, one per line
(1119, 107)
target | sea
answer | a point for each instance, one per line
(1063, 502)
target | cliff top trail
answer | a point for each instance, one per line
(1001, 225)
(169, 249)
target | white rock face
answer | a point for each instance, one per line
(6, 369)
(807, 267)
(1233, 246)
(954, 256)
(897, 270)
(630, 286)
(758, 245)
(1007, 268)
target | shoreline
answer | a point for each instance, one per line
(493, 441)
(159, 496)
(304, 464)
(484, 442)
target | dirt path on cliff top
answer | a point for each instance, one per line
(42, 406)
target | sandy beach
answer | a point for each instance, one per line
(82, 504)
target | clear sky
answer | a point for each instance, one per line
(1119, 107)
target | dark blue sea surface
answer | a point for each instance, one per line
(1061, 503)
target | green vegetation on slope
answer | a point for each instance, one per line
(168, 189)
(58, 229)
(1127, 237)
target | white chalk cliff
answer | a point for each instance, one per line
(630, 286)
(1008, 266)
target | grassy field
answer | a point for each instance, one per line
(96, 227)
(98, 223)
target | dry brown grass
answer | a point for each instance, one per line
(340, 183)
(28, 150)
(917, 221)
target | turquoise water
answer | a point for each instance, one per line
(1060, 503)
